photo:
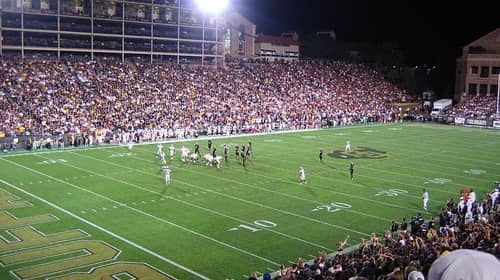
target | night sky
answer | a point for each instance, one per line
(428, 32)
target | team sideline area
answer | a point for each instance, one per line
(106, 212)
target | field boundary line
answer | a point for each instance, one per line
(283, 194)
(147, 214)
(196, 206)
(110, 146)
(131, 243)
(379, 178)
(236, 198)
(359, 184)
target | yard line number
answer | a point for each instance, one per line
(332, 207)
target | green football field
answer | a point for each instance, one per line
(105, 212)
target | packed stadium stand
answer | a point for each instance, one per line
(115, 101)
(148, 101)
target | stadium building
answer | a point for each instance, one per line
(479, 66)
(150, 30)
(284, 47)
(239, 37)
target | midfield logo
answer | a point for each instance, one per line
(359, 153)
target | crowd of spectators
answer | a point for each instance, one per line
(475, 106)
(409, 250)
(148, 101)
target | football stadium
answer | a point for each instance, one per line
(166, 140)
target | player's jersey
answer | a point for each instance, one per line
(166, 171)
(425, 196)
(171, 149)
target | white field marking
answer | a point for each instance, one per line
(83, 250)
(272, 140)
(124, 274)
(423, 154)
(147, 251)
(237, 198)
(378, 178)
(288, 195)
(203, 208)
(146, 214)
(434, 149)
(475, 171)
(6, 211)
(105, 264)
(117, 146)
(467, 146)
(438, 173)
(337, 192)
(350, 183)
(440, 181)
(442, 166)
(17, 239)
(310, 137)
(383, 179)
(279, 193)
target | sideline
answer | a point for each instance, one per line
(147, 251)
(200, 138)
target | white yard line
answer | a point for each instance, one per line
(370, 177)
(196, 206)
(146, 214)
(279, 193)
(110, 146)
(133, 244)
(397, 183)
(236, 198)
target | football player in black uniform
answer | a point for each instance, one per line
(197, 148)
(226, 152)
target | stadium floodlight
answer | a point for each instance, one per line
(212, 6)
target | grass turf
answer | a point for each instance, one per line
(232, 221)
